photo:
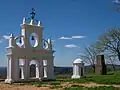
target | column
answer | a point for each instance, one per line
(12, 69)
(79, 71)
(83, 70)
(45, 71)
(15, 69)
(9, 78)
(73, 71)
(41, 69)
(50, 69)
(26, 69)
(37, 69)
(22, 71)
(76, 70)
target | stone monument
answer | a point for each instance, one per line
(41, 50)
(100, 67)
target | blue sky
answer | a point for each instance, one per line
(63, 19)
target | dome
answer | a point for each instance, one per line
(78, 61)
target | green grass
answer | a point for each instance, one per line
(95, 88)
(101, 79)
(110, 78)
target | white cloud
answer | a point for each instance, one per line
(71, 46)
(75, 37)
(65, 38)
(6, 37)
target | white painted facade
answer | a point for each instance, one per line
(26, 52)
(78, 68)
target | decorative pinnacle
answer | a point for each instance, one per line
(33, 13)
(39, 23)
(49, 41)
(24, 20)
(31, 22)
(11, 35)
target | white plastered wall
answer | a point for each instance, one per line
(27, 52)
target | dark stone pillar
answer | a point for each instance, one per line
(100, 67)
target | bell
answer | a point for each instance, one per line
(44, 44)
(32, 38)
(20, 41)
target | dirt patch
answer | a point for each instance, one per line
(4, 86)
(21, 87)
(90, 84)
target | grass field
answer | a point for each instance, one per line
(110, 78)
(90, 82)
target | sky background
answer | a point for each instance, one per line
(71, 24)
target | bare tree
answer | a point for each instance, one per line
(110, 41)
(111, 59)
(89, 56)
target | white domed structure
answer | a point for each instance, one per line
(78, 68)
(78, 61)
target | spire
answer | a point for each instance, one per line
(50, 44)
(39, 23)
(11, 35)
(32, 18)
(31, 22)
(49, 41)
(24, 20)
(11, 40)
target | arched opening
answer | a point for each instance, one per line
(82, 71)
(20, 76)
(20, 41)
(33, 64)
(32, 70)
(45, 44)
(33, 40)
(21, 66)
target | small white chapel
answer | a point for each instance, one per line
(41, 52)
(78, 68)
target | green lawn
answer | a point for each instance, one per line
(95, 88)
(100, 79)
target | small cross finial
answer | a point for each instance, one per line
(32, 13)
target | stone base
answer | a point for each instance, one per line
(9, 81)
(75, 76)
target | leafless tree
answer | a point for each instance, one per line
(110, 42)
(111, 59)
(89, 56)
